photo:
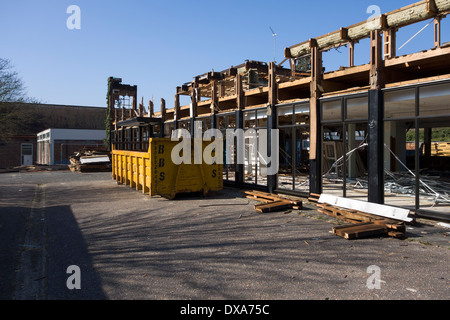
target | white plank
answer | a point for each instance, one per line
(368, 207)
(84, 160)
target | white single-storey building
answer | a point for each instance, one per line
(55, 146)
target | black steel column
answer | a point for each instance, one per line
(376, 147)
(192, 126)
(239, 173)
(161, 130)
(150, 131)
(213, 121)
(271, 125)
(176, 113)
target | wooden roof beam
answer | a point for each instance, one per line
(413, 13)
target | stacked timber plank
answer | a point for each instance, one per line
(88, 160)
(363, 224)
(272, 202)
(313, 197)
(359, 230)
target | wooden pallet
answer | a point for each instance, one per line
(313, 197)
(272, 202)
(353, 216)
(391, 227)
(359, 230)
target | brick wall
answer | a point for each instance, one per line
(10, 153)
(50, 116)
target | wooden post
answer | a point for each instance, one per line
(131, 110)
(292, 66)
(214, 104)
(240, 99)
(176, 113)
(376, 60)
(214, 98)
(437, 31)
(193, 110)
(221, 89)
(141, 108)
(163, 118)
(151, 110)
(351, 54)
(134, 97)
(390, 43)
(273, 87)
(163, 110)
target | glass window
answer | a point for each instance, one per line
(249, 119)
(357, 108)
(261, 113)
(331, 110)
(184, 124)
(302, 113)
(262, 118)
(399, 104)
(285, 110)
(434, 100)
(284, 115)
(205, 123)
(231, 121)
(302, 108)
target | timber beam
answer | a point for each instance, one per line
(416, 12)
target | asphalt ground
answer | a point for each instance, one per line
(130, 246)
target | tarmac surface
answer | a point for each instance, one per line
(128, 245)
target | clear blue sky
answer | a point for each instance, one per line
(158, 45)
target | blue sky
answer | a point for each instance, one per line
(158, 45)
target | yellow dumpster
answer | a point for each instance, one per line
(154, 172)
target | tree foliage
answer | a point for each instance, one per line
(437, 135)
(303, 64)
(11, 86)
(17, 111)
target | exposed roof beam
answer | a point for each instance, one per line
(413, 13)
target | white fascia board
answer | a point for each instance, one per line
(77, 134)
(368, 207)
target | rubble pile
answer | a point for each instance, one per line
(90, 160)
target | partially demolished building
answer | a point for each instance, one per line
(371, 131)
